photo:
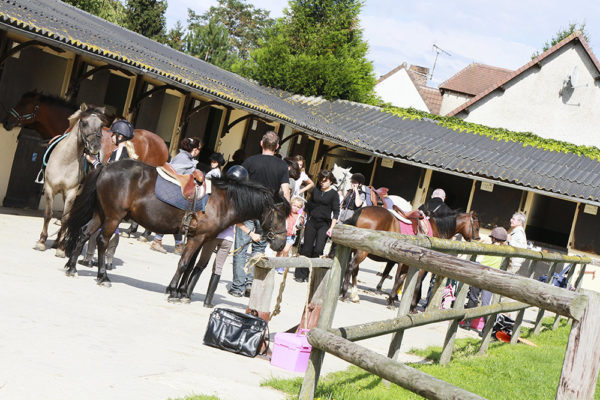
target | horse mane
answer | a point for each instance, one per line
(249, 198)
(446, 225)
(85, 111)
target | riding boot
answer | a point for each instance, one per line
(212, 287)
(193, 279)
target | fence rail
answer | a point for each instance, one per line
(582, 359)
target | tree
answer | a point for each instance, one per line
(316, 49)
(211, 43)
(245, 24)
(562, 34)
(176, 37)
(110, 10)
(147, 17)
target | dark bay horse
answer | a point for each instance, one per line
(48, 115)
(378, 218)
(126, 189)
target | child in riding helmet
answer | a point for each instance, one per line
(122, 131)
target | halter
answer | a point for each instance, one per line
(270, 235)
(83, 136)
(472, 227)
(342, 182)
(24, 117)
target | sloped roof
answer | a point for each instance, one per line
(475, 78)
(356, 126)
(431, 96)
(535, 62)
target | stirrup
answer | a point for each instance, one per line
(40, 177)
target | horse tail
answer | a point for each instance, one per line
(354, 218)
(82, 211)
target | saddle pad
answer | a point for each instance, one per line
(407, 229)
(170, 193)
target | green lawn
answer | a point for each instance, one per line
(504, 372)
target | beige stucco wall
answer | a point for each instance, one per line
(532, 102)
(233, 140)
(451, 100)
(8, 146)
(400, 91)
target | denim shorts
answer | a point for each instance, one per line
(290, 239)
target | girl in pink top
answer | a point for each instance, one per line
(293, 223)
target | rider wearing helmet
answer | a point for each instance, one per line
(122, 131)
(238, 172)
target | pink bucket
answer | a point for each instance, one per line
(291, 351)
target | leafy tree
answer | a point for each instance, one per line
(176, 37)
(211, 43)
(246, 25)
(147, 17)
(562, 34)
(110, 10)
(316, 49)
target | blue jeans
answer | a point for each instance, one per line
(240, 245)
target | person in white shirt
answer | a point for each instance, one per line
(517, 238)
(303, 183)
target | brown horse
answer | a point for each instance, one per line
(126, 188)
(48, 115)
(377, 218)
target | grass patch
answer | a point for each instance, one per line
(504, 372)
(197, 397)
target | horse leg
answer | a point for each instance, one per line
(108, 229)
(69, 200)
(354, 292)
(191, 275)
(417, 293)
(191, 247)
(49, 197)
(401, 272)
(85, 234)
(388, 267)
(350, 272)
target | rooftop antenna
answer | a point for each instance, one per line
(437, 50)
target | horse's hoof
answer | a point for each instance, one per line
(40, 246)
(185, 300)
(355, 299)
(172, 299)
(71, 273)
(125, 234)
(143, 238)
(60, 253)
(104, 283)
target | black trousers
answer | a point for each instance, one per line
(315, 237)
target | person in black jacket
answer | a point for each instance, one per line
(323, 209)
(435, 206)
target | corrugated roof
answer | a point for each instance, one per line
(358, 126)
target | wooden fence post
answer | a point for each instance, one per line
(516, 332)
(332, 292)
(486, 335)
(582, 358)
(403, 309)
(538, 321)
(262, 292)
(459, 304)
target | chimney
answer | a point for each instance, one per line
(420, 74)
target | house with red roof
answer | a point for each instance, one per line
(555, 95)
(406, 86)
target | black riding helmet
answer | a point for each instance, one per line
(218, 157)
(123, 128)
(238, 172)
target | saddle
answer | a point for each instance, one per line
(377, 196)
(416, 218)
(187, 182)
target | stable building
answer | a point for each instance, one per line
(58, 49)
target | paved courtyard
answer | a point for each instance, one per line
(67, 338)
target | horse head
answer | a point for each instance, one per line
(342, 175)
(24, 112)
(88, 122)
(274, 222)
(474, 226)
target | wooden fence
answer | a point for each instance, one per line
(582, 359)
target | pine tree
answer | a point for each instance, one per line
(210, 43)
(317, 48)
(147, 17)
(110, 10)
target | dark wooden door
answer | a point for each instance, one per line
(22, 191)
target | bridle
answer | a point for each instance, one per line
(270, 235)
(342, 183)
(86, 142)
(472, 226)
(21, 118)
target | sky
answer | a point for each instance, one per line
(500, 33)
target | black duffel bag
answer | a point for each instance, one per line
(237, 332)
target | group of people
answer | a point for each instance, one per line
(316, 208)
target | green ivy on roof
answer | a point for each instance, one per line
(526, 138)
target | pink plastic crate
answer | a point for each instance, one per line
(291, 351)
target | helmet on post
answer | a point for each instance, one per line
(123, 128)
(238, 172)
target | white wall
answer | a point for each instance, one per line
(451, 100)
(400, 91)
(532, 102)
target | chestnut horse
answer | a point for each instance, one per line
(126, 188)
(48, 115)
(378, 218)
